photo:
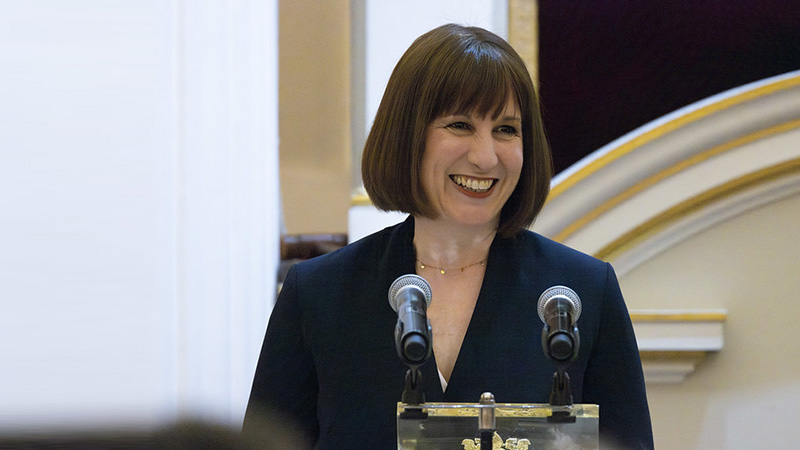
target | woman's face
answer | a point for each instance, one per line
(472, 164)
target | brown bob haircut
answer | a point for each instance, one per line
(453, 70)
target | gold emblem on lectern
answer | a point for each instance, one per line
(497, 443)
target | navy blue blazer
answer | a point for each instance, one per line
(329, 362)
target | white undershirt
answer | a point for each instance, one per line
(442, 380)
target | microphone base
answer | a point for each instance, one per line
(413, 395)
(561, 395)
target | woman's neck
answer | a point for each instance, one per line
(451, 246)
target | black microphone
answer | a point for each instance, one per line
(559, 308)
(410, 296)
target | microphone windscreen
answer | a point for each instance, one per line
(559, 292)
(409, 280)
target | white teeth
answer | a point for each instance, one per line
(473, 184)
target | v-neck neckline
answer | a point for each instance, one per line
(481, 315)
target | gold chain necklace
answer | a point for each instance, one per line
(442, 270)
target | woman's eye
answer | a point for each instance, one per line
(459, 126)
(507, 130)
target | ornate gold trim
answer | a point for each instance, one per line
(666, 173)
(669, 127)
(725, 190)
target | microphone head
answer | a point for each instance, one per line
(562, 292)
(409, 280)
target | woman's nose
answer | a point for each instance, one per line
(482, 153)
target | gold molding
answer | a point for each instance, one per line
(668, 127)
(652, 180)
(672, 342)
(360, 200)
(725, 190)
(691, 355)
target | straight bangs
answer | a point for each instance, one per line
(482, 83)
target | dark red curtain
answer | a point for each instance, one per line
(609, 66)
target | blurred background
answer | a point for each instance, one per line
(161, 161)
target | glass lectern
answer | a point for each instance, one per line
(509, 426)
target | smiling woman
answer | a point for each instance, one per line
(466, 75)
(457, 143)
(470, 167)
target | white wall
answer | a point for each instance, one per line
(391, 27)
(138, 196)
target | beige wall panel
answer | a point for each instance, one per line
(314, 73)
(745, 396)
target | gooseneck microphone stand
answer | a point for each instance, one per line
(413, 395)
(561, 395)
(414, 352)
(562, 349)
(409, 296)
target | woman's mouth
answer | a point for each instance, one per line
(474, 185)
